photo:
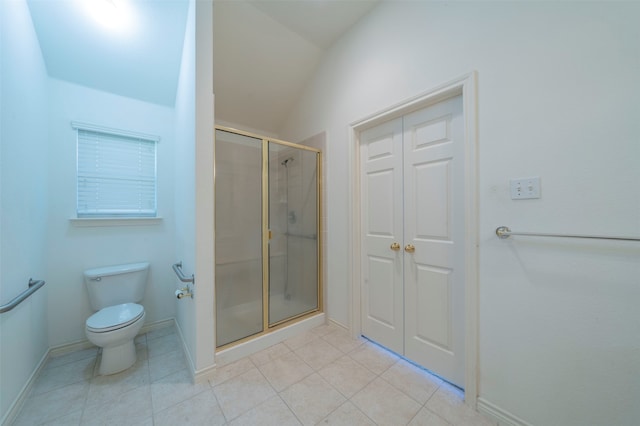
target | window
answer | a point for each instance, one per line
(116, 173)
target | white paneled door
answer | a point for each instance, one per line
(412, 187)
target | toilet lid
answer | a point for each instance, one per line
(114, 317)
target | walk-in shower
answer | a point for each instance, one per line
(267, 231)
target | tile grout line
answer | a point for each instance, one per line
(375, 351)
(301, 359)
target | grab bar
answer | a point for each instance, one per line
(177, 268)
(504, 232)
(33, 287)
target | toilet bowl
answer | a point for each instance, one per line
(114, 292)
(114, 329)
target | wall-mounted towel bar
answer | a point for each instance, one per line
(33, 287)
(504, 232)
(177, 268)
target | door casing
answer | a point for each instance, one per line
(466, 86)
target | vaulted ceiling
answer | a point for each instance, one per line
(137, 54)
(265, 51)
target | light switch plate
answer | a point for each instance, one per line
(525, 188)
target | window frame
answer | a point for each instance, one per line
(124, 217)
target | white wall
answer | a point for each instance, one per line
(194, 185)
(72, 248)
(38, 158)
(204, 321)
(558, 92)
(23, 200)
(184, 157)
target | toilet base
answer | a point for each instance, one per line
(117, 358)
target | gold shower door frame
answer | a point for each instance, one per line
(266, 235)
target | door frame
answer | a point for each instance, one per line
(466, 86)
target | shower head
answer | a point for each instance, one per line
(287, 161)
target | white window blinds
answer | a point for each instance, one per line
(116, 175)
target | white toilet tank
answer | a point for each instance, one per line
(113, 285)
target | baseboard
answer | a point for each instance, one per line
(338, 324)
(200, 376)
(58, 350)
(502, 416)
(234, 353)
(187, 354)
(156, 325)
(85, 344)
(17, 404)
(70, 347)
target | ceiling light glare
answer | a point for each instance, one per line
(111, 14)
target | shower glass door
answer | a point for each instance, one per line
(238, 227)
(267, 234)
(293, 226)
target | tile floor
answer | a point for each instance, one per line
(320, 377)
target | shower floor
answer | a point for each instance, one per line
(240, 321)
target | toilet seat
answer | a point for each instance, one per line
(114, 317)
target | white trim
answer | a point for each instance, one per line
(85, 344)
(337, 324)
(78, 345)
(86, 222)
(466, 86)
(18, 403)
(252, 346)
(502, 416)
(110, 130)
(187, 354)
(157, 325)
(16, 407)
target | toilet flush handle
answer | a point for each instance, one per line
(95, 279)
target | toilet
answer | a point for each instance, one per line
(114, 292)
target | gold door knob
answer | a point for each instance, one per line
(409, 248)
(395, 246)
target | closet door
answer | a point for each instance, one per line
(434, 238)
(382, 255)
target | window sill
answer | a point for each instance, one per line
(114, 221)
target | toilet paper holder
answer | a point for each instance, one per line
(184, 292)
